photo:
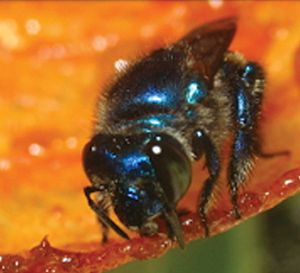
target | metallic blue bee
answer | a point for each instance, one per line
(165, 111)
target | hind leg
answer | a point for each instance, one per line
(247, 97)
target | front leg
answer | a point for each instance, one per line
(101, 212)
(103, 204)
(201, 142)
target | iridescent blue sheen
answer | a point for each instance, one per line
(240, 144)
(135, 186)
(248, 70)
(133, 193)
(134, 161)
(137, 195)
(154, 96)
(148, 123)
(243, 108)
(166, 98)
(195, 92)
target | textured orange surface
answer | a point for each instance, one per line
(54, 60)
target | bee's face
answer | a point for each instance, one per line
(143, 173)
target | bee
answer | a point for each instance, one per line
(167, 110)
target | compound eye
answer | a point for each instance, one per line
(96, 162)
(90, 159)
(171, 165)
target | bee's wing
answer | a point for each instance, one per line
(205, 46)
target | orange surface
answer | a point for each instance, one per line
(54, 60)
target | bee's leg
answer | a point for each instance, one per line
(244, 151)
(247, 97)
(102, 212)
(202, 142)
(104, 228)
(240, 165)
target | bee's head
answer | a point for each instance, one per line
(147, 174)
